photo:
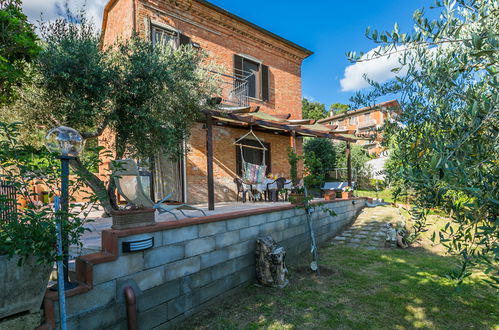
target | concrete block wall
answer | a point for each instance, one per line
(190, 266)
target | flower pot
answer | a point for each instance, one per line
(22, 287)
(297, 199)
(330, 195)
(346, 194)
(125, 219)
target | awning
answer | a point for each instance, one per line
(243, 117)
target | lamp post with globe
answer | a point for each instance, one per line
(67, 143)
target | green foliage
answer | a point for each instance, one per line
(359, 156)
(293, 160)
(320, 156)
(446, 152)
(30, 231)
(338, 108)
(312, 110)
(17, 48)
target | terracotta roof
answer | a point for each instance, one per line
(393, 103)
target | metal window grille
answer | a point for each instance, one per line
(8, 201)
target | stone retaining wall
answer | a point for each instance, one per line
(191, 265)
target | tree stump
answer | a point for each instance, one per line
(270, 265)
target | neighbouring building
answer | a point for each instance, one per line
(365, 123)
(262, 86)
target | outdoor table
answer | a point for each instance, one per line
(269, 186)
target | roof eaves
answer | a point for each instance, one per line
(348, 113)
(265, 31)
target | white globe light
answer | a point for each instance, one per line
(64, 141)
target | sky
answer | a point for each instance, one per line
(328, 28)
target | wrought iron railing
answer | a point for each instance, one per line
(234, 90)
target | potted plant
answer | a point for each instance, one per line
(27, 229)
(347, 192)
(330, 195)
(297, 195)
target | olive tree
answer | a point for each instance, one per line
(147, 96)
(446, 148)
(18, 47)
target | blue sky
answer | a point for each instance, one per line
(329, 28)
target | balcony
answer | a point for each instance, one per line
(367, 124)
(234, 90)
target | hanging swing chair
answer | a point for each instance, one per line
(252, 173)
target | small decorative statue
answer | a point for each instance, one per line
(395, 236)
(391, 235)
(270, 266)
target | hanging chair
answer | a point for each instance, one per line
(252, 173)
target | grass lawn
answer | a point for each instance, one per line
(361, 289)
(385, 194)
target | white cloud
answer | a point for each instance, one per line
(378, 69)
(52, 9)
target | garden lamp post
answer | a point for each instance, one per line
(67, 143)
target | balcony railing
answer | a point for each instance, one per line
(234, 90)
(367, 124)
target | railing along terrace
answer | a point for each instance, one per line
(234, 90)
(367, 124)
(8, 201)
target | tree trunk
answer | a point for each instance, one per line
(96, 184)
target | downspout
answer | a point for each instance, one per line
(131, 308)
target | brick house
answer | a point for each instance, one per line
(267, 65)
(364, 121)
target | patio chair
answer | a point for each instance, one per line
(243, 189)
(273, 189)
(127, 180)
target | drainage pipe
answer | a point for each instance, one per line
(131, 308)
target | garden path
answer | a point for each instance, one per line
(369, 229)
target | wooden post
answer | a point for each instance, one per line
(209, 165)
(349, 164)
(292, 140)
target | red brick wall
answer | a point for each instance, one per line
(119, 23)
(224, 164)
(222, 37)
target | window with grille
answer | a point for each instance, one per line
(256, 74)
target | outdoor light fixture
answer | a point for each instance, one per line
(64, 141)
(67, 143)
(140, 243)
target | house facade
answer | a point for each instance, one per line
(266, 65)
(365, 122)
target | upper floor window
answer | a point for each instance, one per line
(367, 117)
(256, 74)
(165, 36)
(352, 120)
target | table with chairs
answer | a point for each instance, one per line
(270, 189)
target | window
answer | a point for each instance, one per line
(164, 36)
(252, 155)
(367, 117)
(256, 74)
(352, 120)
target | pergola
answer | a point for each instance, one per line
(278, 124)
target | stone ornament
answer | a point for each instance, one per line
(270, 265)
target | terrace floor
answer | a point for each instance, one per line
(96, 224)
